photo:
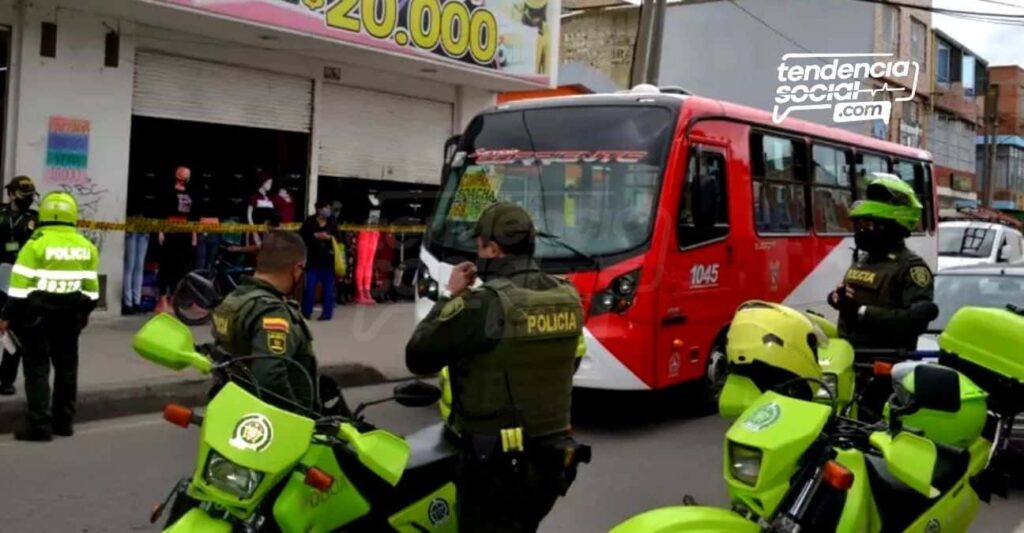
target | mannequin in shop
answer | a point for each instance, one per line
(366, 248)
(284, 205)
(261, 207)
(206, 212)
(176, 248)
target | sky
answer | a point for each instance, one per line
(999, 44)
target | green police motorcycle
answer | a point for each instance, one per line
(793, 463)
(262, 468)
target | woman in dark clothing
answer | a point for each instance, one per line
(317, 231)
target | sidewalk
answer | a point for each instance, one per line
(361, 346)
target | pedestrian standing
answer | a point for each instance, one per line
(17, 222)
(177, 248)
(54, 287)
(319, 232)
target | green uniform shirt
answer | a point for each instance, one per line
(887, 287)
(16, 227)
(57, 269)
(256, 319)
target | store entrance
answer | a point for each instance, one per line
(395, 256)
(230, 168)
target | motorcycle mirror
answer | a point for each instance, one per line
(167, 342)
(417, 394)
(198, 290)
(936, 387)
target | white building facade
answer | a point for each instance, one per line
(105, 98)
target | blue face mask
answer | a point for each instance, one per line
(325, 213)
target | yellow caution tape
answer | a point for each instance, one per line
(150, 225)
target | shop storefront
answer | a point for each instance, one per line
(349, 107)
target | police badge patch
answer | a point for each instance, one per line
(452, 308)
(277, 342)
(921, 275)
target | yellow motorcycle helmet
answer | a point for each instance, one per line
(774, 345)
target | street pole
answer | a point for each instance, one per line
(992, 115)
(657, 35)
(641, 52)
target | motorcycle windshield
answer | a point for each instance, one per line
(255, 434)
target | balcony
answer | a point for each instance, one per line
(952, 97)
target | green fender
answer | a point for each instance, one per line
(197, 521)
(689, 519)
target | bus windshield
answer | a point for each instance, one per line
(587, 175)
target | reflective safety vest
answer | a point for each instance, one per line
(57, 262)
(526, 379)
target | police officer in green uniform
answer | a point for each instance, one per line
(54, 286)
(17, 222)
(510, 348)
(259, 318)
(886, 299)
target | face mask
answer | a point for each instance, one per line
(23, 203)
(297, 285)
(877, 241)
(325, 213)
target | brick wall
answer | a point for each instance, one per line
(602, 40)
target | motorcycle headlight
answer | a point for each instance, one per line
(231, 478)
(744, 463)
(831, 381)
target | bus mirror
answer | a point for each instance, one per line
(450, 146)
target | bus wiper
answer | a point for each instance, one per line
(558, 240)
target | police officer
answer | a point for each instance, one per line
(17, 222)
(510, 347)
(259, 318)
(885, 301)
(54, 286)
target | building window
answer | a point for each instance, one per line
(918, 41)
(890, 29)
(780, 184)
(943, 72)
(968, 75)
(910, 116)
(832, 193)
(866, 164)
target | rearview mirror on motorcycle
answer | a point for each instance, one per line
(417, 394)
(167, 342)
(926, 386)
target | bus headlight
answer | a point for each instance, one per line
(426, 287)
(619, 295)
(744, 463)
(233, 479)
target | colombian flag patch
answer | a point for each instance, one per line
(275, 324)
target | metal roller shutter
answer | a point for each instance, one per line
(373, 135)
(187, 89)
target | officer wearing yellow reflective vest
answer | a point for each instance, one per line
(510, 350)
(54, 286)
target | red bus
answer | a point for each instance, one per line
(667, 211)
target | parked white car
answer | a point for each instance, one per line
(964, 243)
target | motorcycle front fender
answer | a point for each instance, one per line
(197, 521)
(687, 518)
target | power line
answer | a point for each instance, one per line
(1002, 3)
(950, 12)
(770, 27)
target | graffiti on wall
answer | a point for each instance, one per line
(67, 167)
(67, 151)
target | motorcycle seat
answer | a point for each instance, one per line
(898, 504)
(429, 445)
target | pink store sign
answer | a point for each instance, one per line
(511, 37)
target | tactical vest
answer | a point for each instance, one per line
(231, 318)
(526, 380)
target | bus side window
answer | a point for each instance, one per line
(778, 167)
(704, 207)
(866, 164)
(833, 196)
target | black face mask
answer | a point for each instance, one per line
(23, 203)
(881, 240)
(484, 268)
(297, 286)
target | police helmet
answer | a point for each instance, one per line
(889, 198)
(58, 207)
(773, 345)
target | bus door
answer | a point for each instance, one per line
(699, 269)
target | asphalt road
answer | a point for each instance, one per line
(107, 477)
